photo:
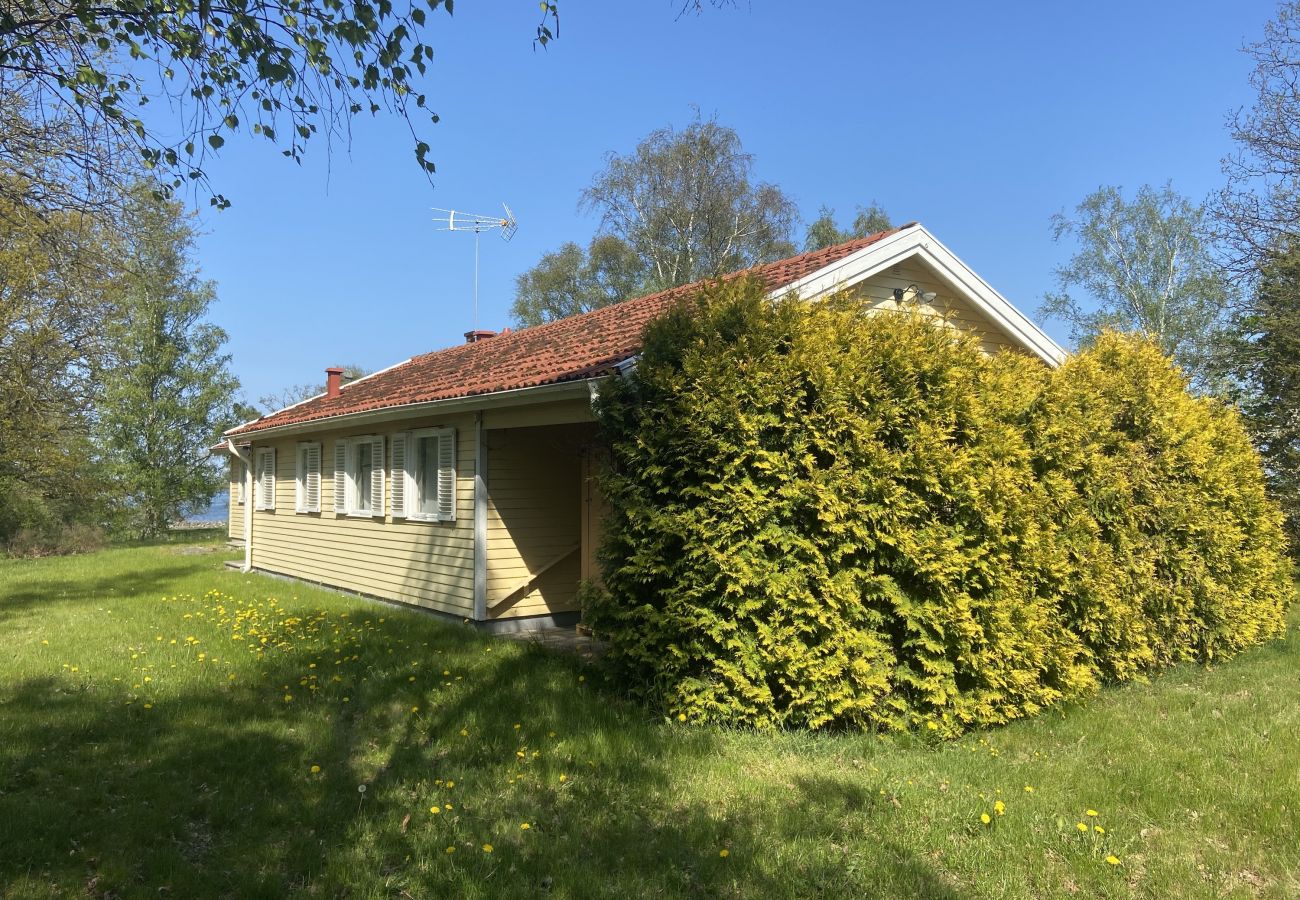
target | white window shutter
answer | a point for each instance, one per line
(377, 476)
(397, 477)
(300, 479)
(341, 477)
(266, 478)
(313, 478)
(241, 479)
(447, 475)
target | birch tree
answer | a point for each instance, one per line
(1143, 266)
(688, 204)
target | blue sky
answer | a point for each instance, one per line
(979, 120)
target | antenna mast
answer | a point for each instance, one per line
(455, 220)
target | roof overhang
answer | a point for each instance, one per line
(566, 390)
(917, 243)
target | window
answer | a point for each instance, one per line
(424, 475)
(239, 475)
(359, 476)
(264, 489)
(307, 486)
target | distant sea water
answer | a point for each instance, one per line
(216, 511)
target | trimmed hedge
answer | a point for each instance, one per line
(824, 517)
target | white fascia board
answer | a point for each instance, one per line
(916, 242)
(544, 393)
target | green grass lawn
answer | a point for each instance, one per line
(172, 729)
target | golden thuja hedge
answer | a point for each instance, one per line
(823, 517)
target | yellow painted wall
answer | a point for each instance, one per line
(429, 564)
(535, 518)
(878, 291)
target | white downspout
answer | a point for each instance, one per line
(248, 503)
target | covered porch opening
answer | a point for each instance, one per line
(543, 522)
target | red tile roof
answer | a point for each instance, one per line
(569, 349)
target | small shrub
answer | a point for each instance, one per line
(823, 517)
(61, 540)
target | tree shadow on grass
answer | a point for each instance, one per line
(210, 792)
(148, 582)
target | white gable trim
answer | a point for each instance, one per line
(917, 243)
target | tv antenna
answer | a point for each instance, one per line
(457, 220)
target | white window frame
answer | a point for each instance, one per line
(408, 505)
(378, 472)
(239, 475)
(265, 483)
(307, 471)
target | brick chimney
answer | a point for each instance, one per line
(478, 334)
(333, 380)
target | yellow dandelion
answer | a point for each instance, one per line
(1029, 789)
(451, 784)
(985, 818)
(435, 810)
(564, 778)
(415, 709)
(932, 726)
(681, 717)
(487, 848)
(1091, 812)
(1099, 829)
(1081, 827)
(148, 706)
(582, 678)
(315, 770)
(1113, 860)
(464, 733)
(447, 806)
(451, 850)
(1000, 808)
(524, 826)
(724, 853)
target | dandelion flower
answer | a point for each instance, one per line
(985, 818)
(464, 733)
(148, 706)
(724, 853)
(1081, 827)
(435, 810)
(1029, 789)
(564, 778)
(1099, 829)
(681, 717)
(1000, 808)
(487, 848)
(1091, 812)
(1113, 860)
(524, 826)
(932, 726)
(451, 784)
(315, 770)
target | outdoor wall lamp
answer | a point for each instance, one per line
(917, 294)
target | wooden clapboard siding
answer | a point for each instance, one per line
(429, 564)
(534, 518)
(878, 290)
(235, 511)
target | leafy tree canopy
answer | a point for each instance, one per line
(824, 232)
(1266, 353)
(168, 392)
(570, 280)
(75, 76)
(684, 205)
(1142, 266)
